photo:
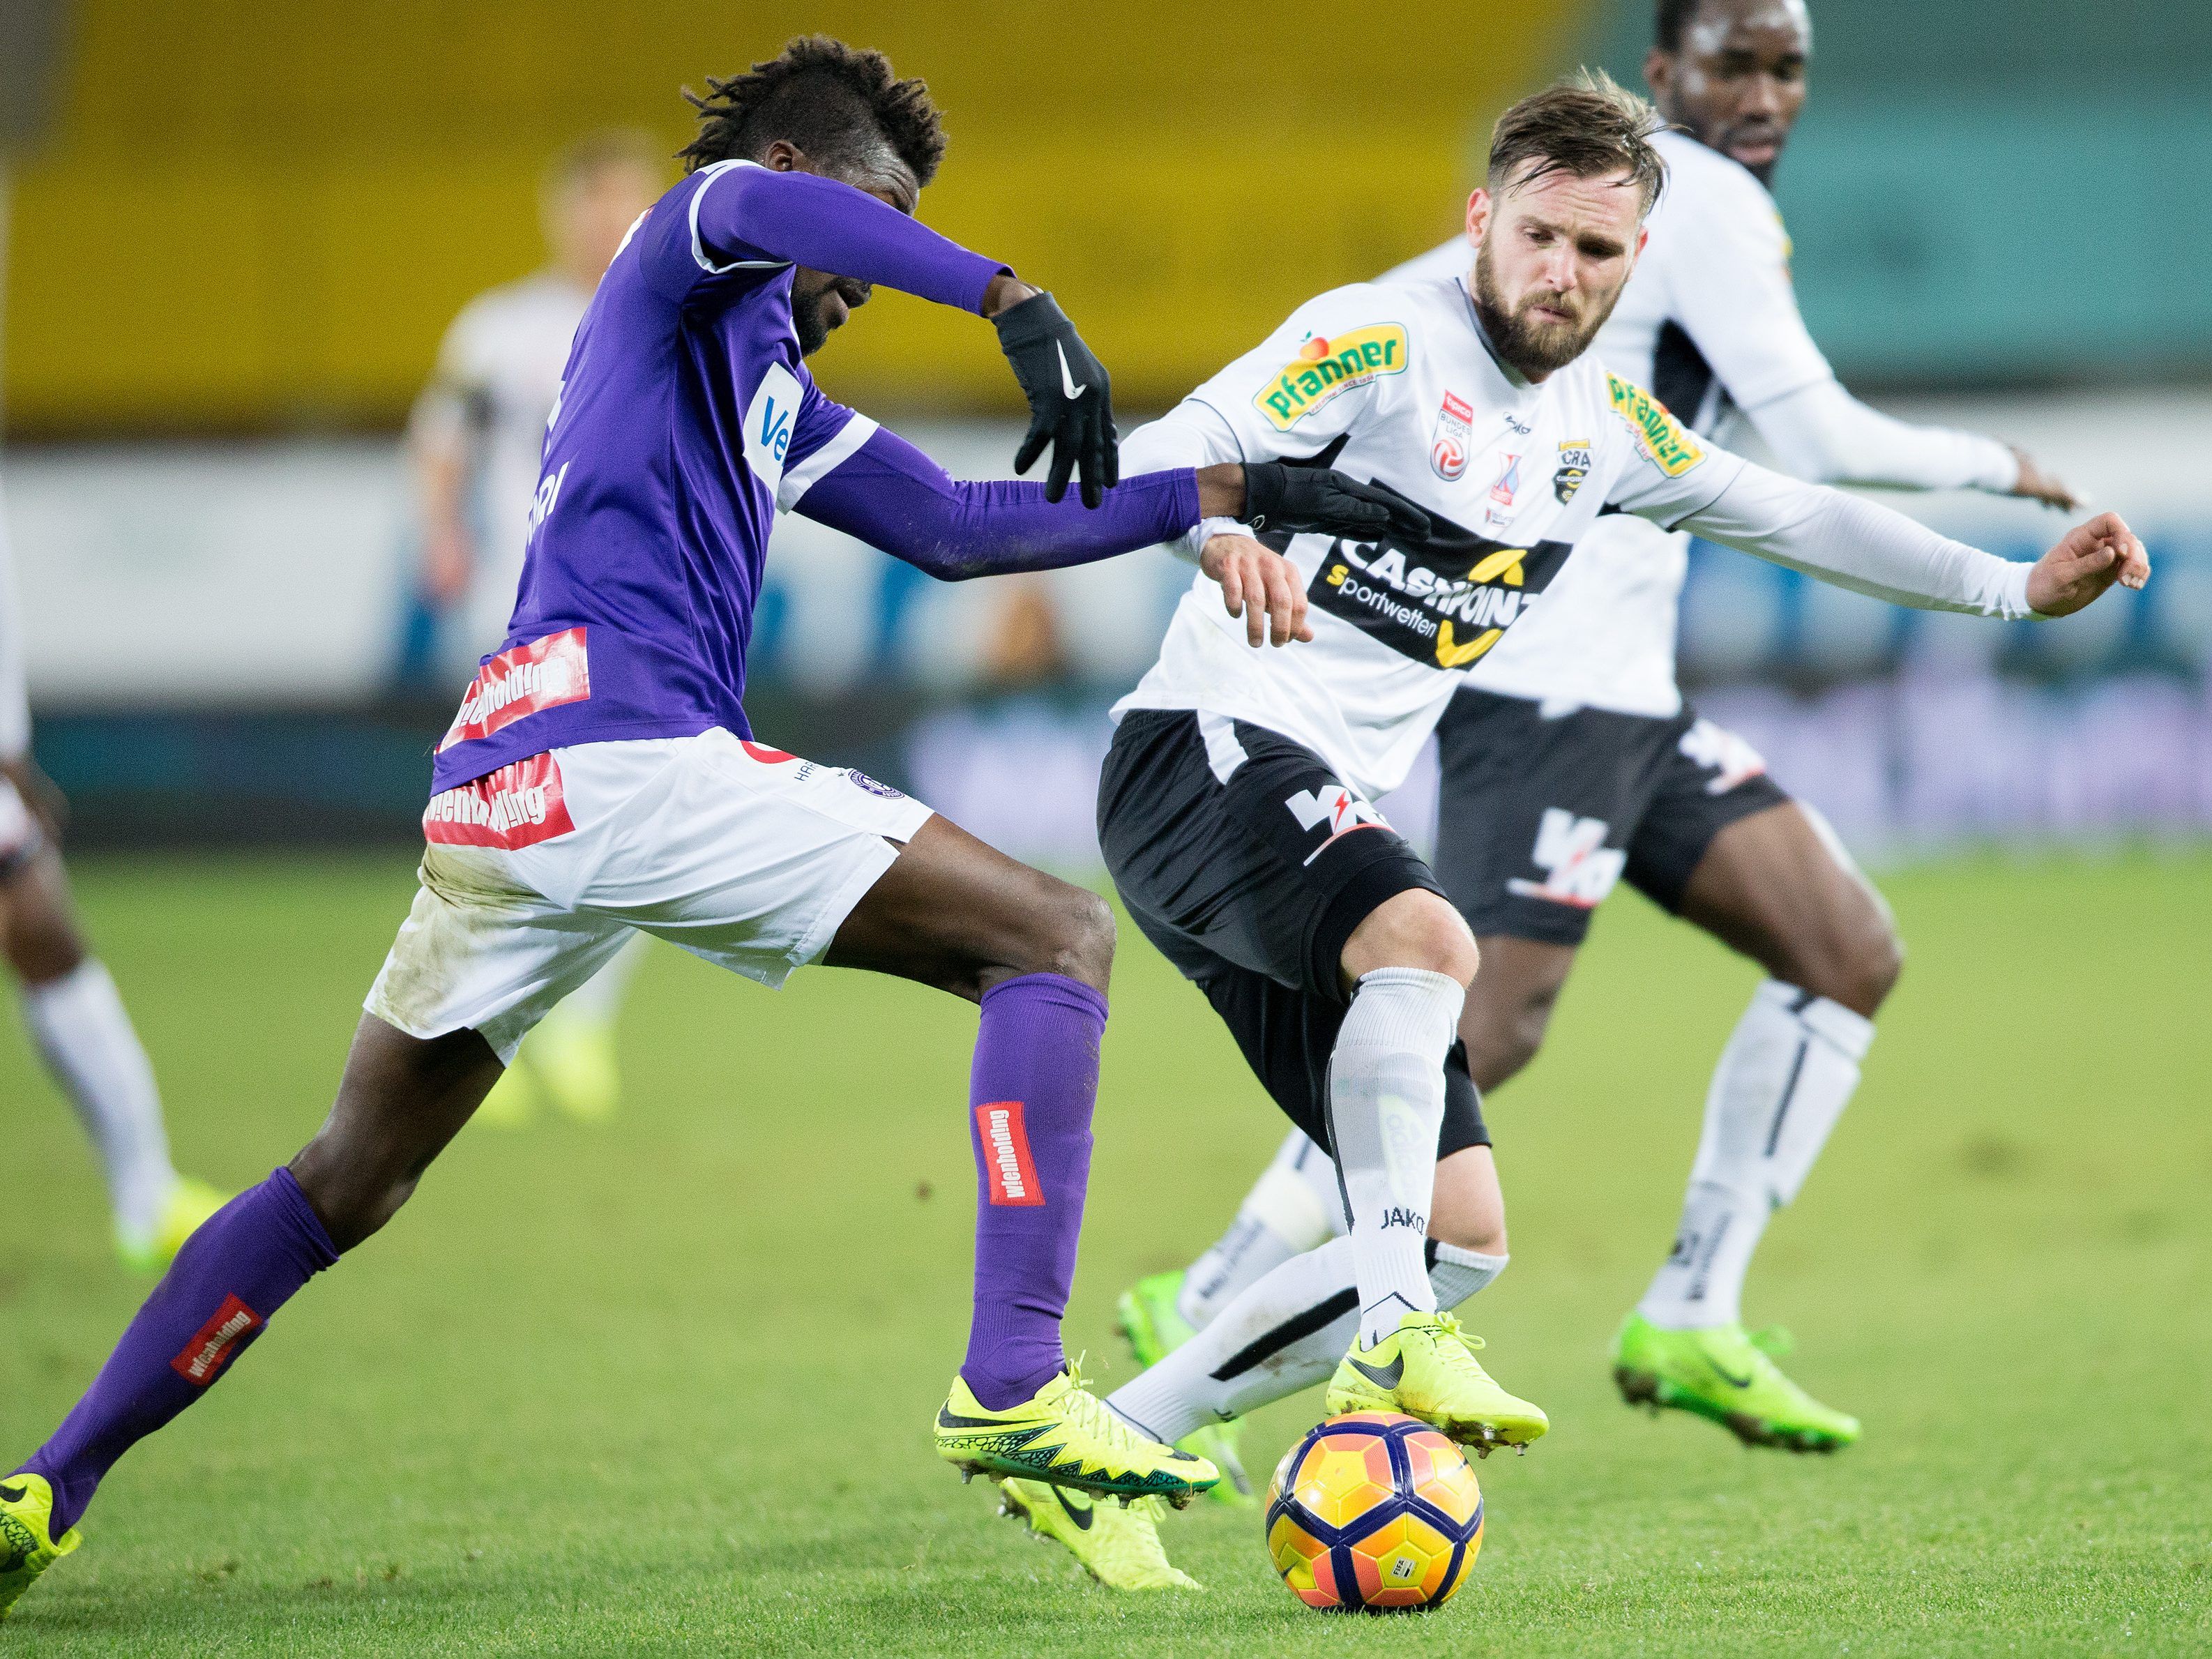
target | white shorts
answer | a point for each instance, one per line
(19, 831)
(535, 874)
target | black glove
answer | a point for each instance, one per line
(1283, 496)
(1070, 404)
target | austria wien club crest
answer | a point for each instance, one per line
(1454, 434)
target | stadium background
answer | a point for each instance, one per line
(238, 232)
(530, 1417)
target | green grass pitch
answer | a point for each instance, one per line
(662, 1385)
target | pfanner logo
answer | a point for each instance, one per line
(1326, 366)
(1009, 1175)
(522, 681)
(212, 1347)
(518, 806)
(1658, 434)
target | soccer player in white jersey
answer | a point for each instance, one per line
(1569, 759)
(1235, 808)
(474, 443)
(76, 1016)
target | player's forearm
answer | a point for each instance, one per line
(1858, 545)
(1193, 435)
(892, 497)
(1823, 432)
(827, 226)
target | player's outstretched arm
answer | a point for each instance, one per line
(889, 494)
(1871, 549)
(1823, 432)
(749, 213)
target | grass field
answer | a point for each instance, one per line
(662, 1385)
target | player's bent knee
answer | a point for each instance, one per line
(1079, 938)
(1413, 929)
(1858, 971)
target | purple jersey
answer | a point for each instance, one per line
(684, 414)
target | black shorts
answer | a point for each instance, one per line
(1537, 818)
(1246, 860)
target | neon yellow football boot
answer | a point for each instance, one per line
(1426, 1368)
(1065, 1435)
(190, 1203)
(572, 1058)
(1153, 1320)
(1725, 1373)
(27, 1545)
(513, 1101)
(1117, 1544)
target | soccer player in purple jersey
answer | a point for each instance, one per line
(601, 776)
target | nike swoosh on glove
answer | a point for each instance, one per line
(1071, 402)
(1299, 500)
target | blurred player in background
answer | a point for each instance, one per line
(474, 441)
(601, 775)
(70, 1002)
(1571, 758)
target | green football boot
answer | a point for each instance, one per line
(27, 1545)
(1725, 1373)
(1065, 1435)
(1426, 1368)
(1117, 1544)
(190, 1203)
(1153, 1322)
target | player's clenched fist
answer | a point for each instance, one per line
(1261, 585)
(2088, 560)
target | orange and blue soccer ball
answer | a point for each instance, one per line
(1373, 1511)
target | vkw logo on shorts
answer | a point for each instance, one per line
(1729, 757)
(1581, 869)
(1335, 809)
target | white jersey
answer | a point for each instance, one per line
(499, 372)
(1709, 323)
(1398, 385)
(14, 697)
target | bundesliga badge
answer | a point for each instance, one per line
(1575, 463)
(1454, 427)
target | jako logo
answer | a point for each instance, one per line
(1583, 867)
(212, 1347)
(1010, 1177)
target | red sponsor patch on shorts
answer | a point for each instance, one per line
(520, 681)
(519, 805)
(211, 1347)
(1009, 1175)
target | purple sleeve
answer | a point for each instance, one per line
(892, 497)
(749, 213)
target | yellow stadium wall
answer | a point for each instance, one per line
(258, 213)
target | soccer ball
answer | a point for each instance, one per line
(1373, 1511)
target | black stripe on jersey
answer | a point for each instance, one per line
(1680, 376)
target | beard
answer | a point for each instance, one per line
(1536, 349)
(806, 321)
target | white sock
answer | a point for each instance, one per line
(1784, 1078)
(1285, 1332)
(598, 998)
(1294, 1206)
(81, 1029)
(1386, 1104)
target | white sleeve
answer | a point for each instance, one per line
(1192, 433)
(14, 696)
(1856, 545)
(1822, 432)
(455, 404)
(1727, 269)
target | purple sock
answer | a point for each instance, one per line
(1035, 1081)
(242, 1264)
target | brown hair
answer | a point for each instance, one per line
(1588, 126)
(834, 101)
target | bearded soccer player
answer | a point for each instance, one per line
(1569, 759)
(600, 775)
(1235, 807)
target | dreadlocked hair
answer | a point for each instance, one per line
(836, 103)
